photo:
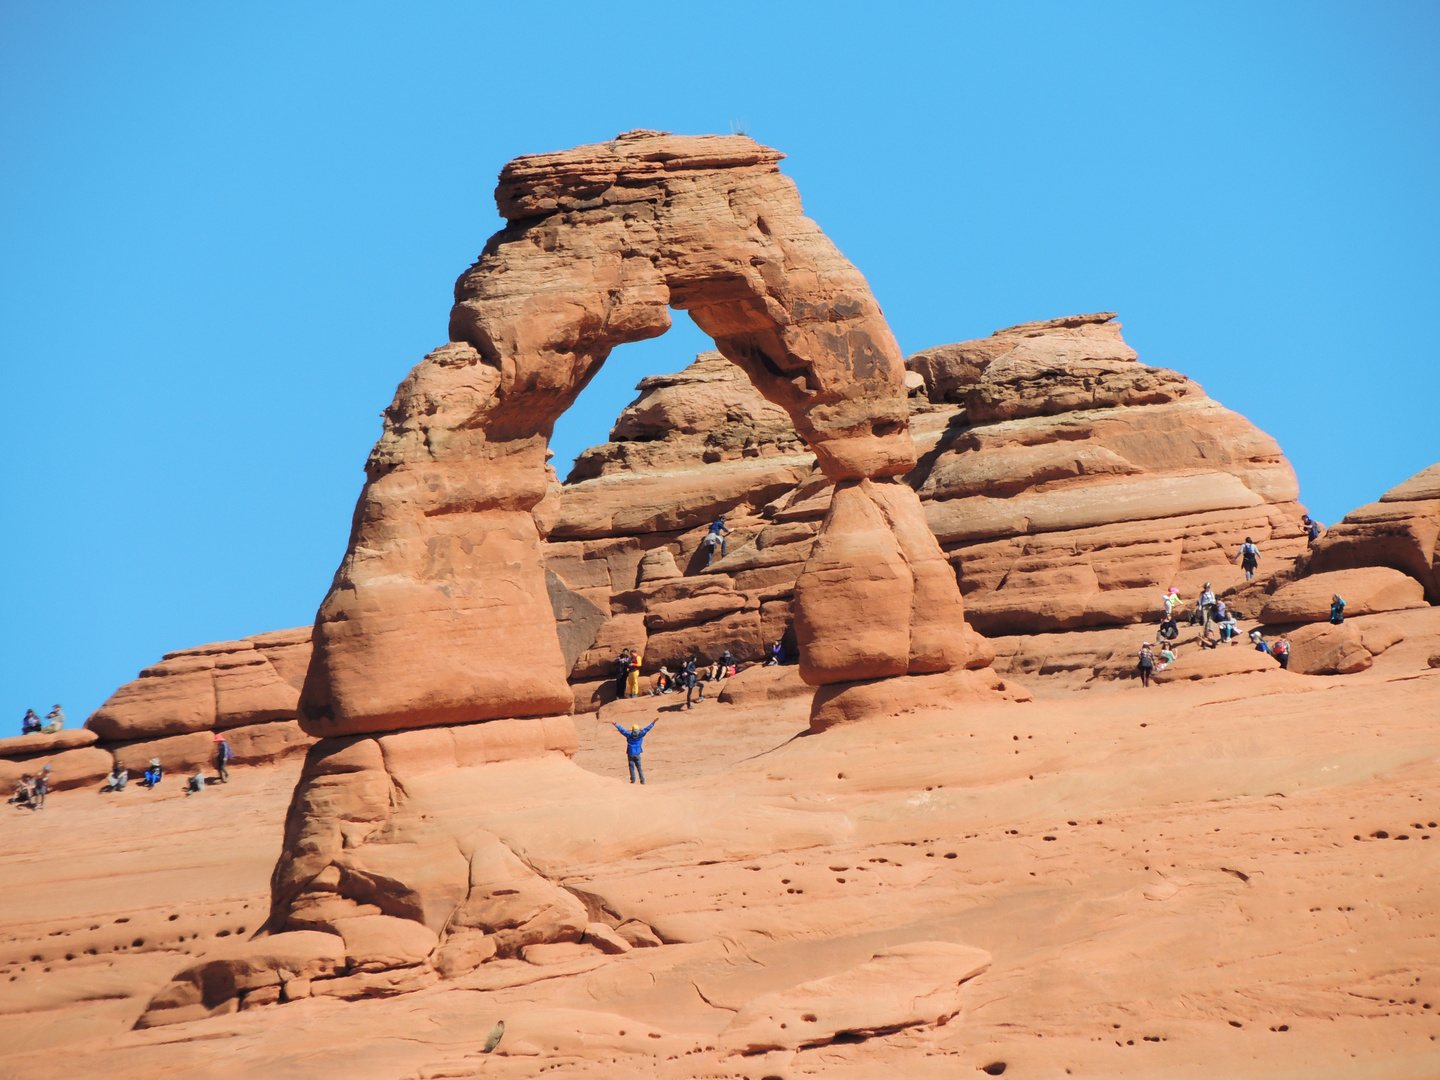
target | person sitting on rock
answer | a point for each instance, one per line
(30, 724)
(664, 682)
(634, 747)
(1313, 529)
(715, 538)
(721, 668)
(118, 778)
(777, 654)
(690, 679)
(1167, 657)
(54, 720)
(1146, 664)
(24, 791)
(1281, 651)
(197, 782)
(1249, 558)
(1169, 629)
(153, 774)
(1225, 618)
(1337, 609)
(1208, 640)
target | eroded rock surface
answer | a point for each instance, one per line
(1401, 531)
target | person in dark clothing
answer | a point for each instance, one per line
(1169, 629)
(30, 724)
(1313, 529)
(1249, 558)
(1337, 609)
(715, 538)
(691, 679)
(196, 784)
(634, 747)
(1146, 664)
(622, 672)
(777, 654)
(223, 756)
(153, 774)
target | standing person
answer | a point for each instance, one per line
(42, 786)
(634, 747)
(1146, 664)
(223, 756)
(30, 724)
(1337, 609)
(692, 682)
(54, 720)
(715, 538)
(1205, 607)
(1249, 558)
(632, 678)
(622, 672)
(1313, 529)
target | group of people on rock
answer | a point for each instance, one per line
(689, 675)
(31, 724)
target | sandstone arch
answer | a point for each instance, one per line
(439, 612)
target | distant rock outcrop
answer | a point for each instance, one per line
(1401, 531)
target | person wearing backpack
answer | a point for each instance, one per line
(1281, 651)
(1249, 558)
(1146, 664)
(223, 756)
(1313, 529)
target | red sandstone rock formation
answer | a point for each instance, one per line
(1401, 531)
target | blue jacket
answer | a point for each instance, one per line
(634, 741)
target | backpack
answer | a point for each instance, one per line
(229, 753)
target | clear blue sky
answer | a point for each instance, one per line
(230, 230)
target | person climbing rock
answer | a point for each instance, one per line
(54, 720)
(632, 679)
(1249, 558)
(1313, 529)
(1172, 597)
(1146, 664)
(1337, 609)
(691, 681)
(30, 723)
(715, 538)
(223, 756)
(634, 747)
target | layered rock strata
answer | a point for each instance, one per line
(1401, 531)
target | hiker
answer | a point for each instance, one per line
(1172, 597)
(54, 721)
(118, 778)
(664, 682)
(632, 680)
(1281, 651)
(1313, 529)
(1146, 664)
(622, 672)
(153, 773)
(40, 788)
(30, 724)
(197, 782)
(634, 745)
(1249, 558)
(223, 756)
(1337, 609)
(715, 538)
(777, 655)
(1256, 637)
(1169, 629)
(1204, 607)
(24, 791)
(1261, 645)
(691, 680)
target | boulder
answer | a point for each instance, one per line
(1366, 590)
(257, 744)
(1323, 649)
(85, 766)
(1218, 662)
(760, 683)
(24, 746)
(380, 942)
(1401, 531)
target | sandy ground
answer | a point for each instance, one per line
(1233, 877)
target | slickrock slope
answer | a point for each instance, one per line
(1227, 876)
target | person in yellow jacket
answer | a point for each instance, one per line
(632, 681)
